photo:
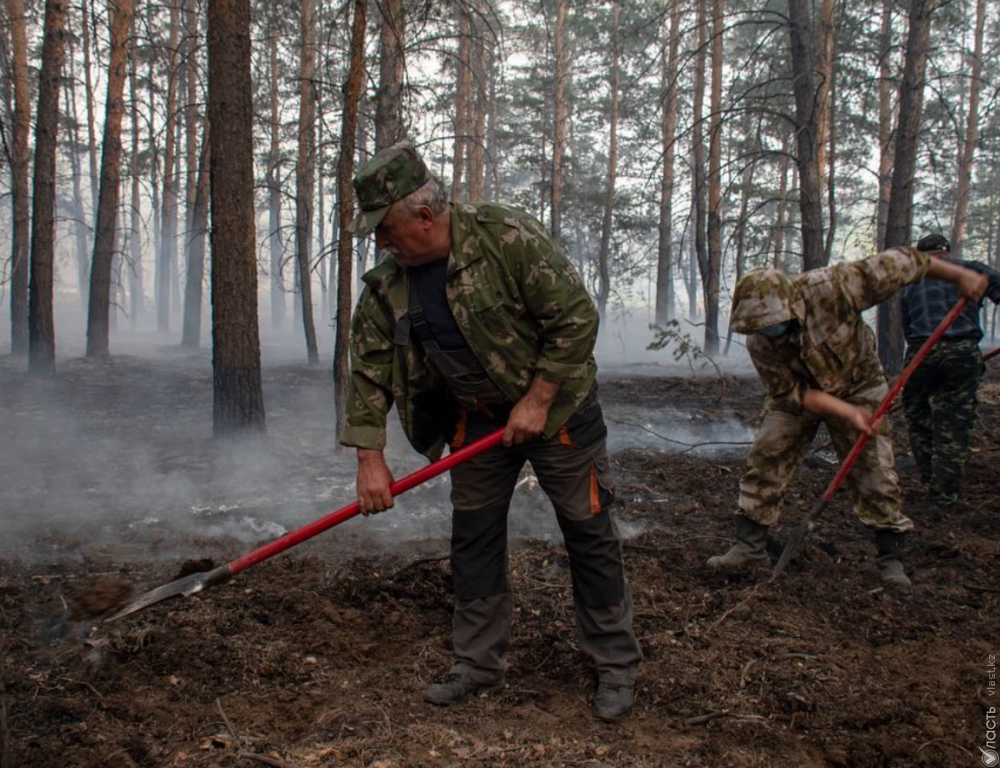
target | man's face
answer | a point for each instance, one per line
(406, 237)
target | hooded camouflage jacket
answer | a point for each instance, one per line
(518, 302)
(833, 348)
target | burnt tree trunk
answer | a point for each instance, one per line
(41, 325)
(345, 194)
(167, 255)
(105, 232)
(884, 123)
(238, 401)
(136, 302)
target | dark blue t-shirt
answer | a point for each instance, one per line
(429, 282)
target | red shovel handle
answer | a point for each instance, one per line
(412, 480)
(887, 401)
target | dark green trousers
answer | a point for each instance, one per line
(939, 402)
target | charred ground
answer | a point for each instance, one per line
(319, 658)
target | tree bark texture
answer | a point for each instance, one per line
(713, 275)
(899, 218)
(167, 256)
(195, 274)
(698, 191)
(20, 167)
(105, 232)
(305, 173)
(389, 125)
(478, 105)
(41, 325)
(238, 401)
(604, 256)
(136, 299)
(81, 233)
(345, 170)
(560, 117)
(278, 309)
(463, 103)
(884, 123)
(802, 42)
(664, 264)
(87, 20)
(971, 135)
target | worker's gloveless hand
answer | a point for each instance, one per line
(374, 479)
(972, 285)
(860, 418)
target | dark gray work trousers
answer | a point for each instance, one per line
(573, 469)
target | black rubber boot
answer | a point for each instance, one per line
(454, 689)
(751, 538)
(613, 701)
(890, 546)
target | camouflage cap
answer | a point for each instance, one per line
(763, 297)
(389, 175)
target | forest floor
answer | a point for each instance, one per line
(320, 656)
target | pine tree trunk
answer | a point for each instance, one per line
(278, 309)
(79, 210)
(168, 240)
(900, 213)
(238, 400)
(604, 256)
(136, 287)
(105, 235)
(86, 18)
(698, 187)
(305, 173)
(20, 166)
(669, 86)
(714, 188)
(463, 103)
(560, 115)
(41, 326)
(345, 194)
(781, 219)
(478, 106)
(195, 275)
(389, 126)
(802, 41)
(884, 123)
(971, 135)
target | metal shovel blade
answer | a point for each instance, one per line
(794, 541)
(182, 587)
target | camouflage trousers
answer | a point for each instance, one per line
(780, 444)
(940, 402)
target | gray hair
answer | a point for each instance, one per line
(432, 194)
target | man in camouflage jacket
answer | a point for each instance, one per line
(475, 320)
(818, 361)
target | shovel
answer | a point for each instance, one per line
(196, 582)
(809, 523)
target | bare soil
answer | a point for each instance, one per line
(320, 657)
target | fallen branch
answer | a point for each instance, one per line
(949, 743)
(753, 593)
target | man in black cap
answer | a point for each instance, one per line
(940, 398)
(475, 320)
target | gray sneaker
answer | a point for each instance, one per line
(454, 689)
(613, 701)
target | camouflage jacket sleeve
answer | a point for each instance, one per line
(785, 389)
(370, 395)
(566, 317)
(873, 280)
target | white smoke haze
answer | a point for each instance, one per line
(119, 456)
